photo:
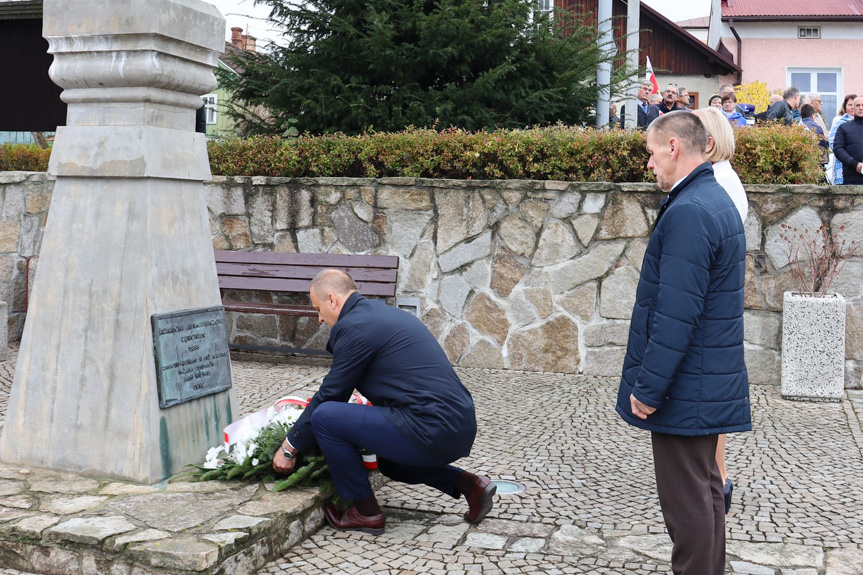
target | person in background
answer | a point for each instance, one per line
(729, 89)
(807, 111)
(845, 115)
(613, 118)
(783, 110)
(684, 378)
(720, 150)
(669, 99)
(682, 99)
(656, 100)
(729, 108)
(848, 146)
(715, 101)
(815, 100)
(647, 112)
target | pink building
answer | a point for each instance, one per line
(813, 45)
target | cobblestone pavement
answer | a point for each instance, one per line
(589, 503)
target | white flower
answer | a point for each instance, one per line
(212, 460)
(255, 462)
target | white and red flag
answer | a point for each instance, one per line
(651, 77)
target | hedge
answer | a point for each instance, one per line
(765, 155)
(769, 154)
(23, 158)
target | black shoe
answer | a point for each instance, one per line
(727, 489)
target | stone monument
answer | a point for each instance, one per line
(127, 237)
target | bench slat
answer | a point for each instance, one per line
(315, 260)
(269, 308)
(304, 273)
(297, 286)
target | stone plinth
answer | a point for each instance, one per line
(127, 236)
(813, 347)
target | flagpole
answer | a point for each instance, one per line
(605, 40)
(633, 24)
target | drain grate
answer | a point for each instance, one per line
(505, 487)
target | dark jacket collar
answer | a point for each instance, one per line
(706, 167)
(350, 303)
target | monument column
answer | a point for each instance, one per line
(127, 237)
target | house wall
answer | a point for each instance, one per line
(524, 275)
(769, 48)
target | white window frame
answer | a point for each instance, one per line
(211, 104)
(542, 7)
(809, 32)
(813, 71)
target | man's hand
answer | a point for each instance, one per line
(860, 168)
(640, 410)
(282, 464)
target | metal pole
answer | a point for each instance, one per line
(633, 24)
(605, 38)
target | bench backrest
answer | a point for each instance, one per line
(281, 272)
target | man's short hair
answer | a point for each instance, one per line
(648, 84)
(775, 98)
(807, 111)
(813, 96)
(687, 128)
(332, 281)
(723, 86)
(790, 93)
(719, 129)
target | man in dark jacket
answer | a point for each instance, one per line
(421, 419)
(783, 110)
(684, 378)
(848, 146)
(647, 112)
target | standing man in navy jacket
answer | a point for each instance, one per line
(422, 418)
(684, 378)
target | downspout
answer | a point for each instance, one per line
(739, 50)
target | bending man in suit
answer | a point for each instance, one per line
(421, 420)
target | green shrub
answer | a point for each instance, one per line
(770, 154)
(23, 158)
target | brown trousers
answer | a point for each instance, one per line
(690, 495)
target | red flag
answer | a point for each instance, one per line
(651, 77)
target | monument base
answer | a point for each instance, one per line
(214, 527)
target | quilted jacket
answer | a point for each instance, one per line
(685, 351)
(848, 149)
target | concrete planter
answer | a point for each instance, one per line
(813, 347)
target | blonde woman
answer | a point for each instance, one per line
(720, 150)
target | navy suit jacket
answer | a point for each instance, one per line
(390, 357)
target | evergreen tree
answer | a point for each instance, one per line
(358, 65)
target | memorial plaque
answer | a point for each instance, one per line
(191, 349)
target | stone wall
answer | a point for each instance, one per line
(524, 275)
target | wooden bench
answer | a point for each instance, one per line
(293, 273)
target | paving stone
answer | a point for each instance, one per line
(71, 505)
(122, 541)
(778, 554)
(113, 489)
(292, 502)
(9, 487)
(35, 525)
(180, 511)
(485, 541)
(527, 545)
(90, 530)
(745, 568)
(240, 522)
(48, 482)
(843, 562)
(573, 540)
(178, 553)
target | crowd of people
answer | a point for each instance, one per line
(842, 143)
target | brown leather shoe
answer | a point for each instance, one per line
(351, 520)
(479, 499)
